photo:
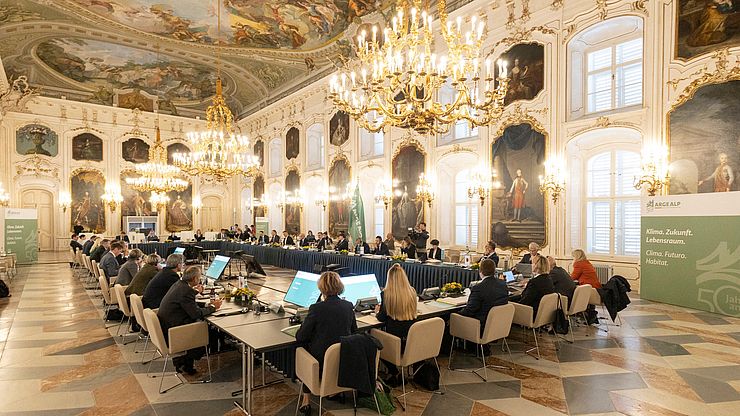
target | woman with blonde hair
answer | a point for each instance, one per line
(583, 271)
(538, 286)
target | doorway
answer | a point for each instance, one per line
(43, 202)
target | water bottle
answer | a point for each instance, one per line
(362, 250)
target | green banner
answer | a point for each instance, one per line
(692, 260)
(357, 216)
(261, 224)
(21, 234)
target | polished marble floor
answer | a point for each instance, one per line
(58, 358)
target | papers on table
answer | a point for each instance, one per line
(458, 301)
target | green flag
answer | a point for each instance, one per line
(357, 216)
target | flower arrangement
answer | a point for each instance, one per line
(275, 245)
(452, 288)
(344, 252)
(243, 295)
(400, 257)
(475, 266)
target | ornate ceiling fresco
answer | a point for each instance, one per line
(97, 50)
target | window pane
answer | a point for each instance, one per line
(629, 85)
(599, 175)
(627, 167)
(473, 210)
(379, 213)
(600, 59)
(629, 51)
(600, 91)
(627, 228)
(461, 187)
(461, 224)
(597, 227)
(378, 150)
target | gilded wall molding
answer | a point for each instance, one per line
(16, 95)
(36, 166)
(723, 72)
(457, 148)
(409, 139)
(557, 4)
(521, 34)
(602, 123)
(518, 115)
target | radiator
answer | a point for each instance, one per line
(604, 271)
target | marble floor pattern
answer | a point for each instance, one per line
(58, 358)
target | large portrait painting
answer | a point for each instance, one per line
(87, 146)
(259, 152)
(292, 146)
(706, 25)
(407, 212)
(175, 148)
(135, 151)
(292, 211)
(518, 214)
(35, 139)
(704, 141)
(339, 128)
(340, 175)
(180, 210)
(259, 192)
(88, 210)
(134, 203)
(526, 71)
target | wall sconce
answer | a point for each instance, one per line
(554, 179)
(322, 202)
(65, 200)
(384, 193)
(4, 197)
(112, 196)
(197, 204)
(159, 200)
(482, 181)
(424, 190)
(654, 174)
(296, 198)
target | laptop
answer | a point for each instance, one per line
(509, 276)
(525, 269)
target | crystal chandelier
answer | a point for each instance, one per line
(553, 181)
(217, 152)
(482, 182)
(159, 200)
(112, 196)
(425, 190)
(655, 172)
(4, 197)
(400, 78)
(157, 175)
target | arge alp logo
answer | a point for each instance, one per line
(650, 205)
(653, 205)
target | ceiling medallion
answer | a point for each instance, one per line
(400, 79)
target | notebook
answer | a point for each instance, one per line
(291, 330)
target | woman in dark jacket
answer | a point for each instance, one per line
(538, 286)
(325, 323)
(142, 278)
(408, 248)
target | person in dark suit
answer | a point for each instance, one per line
(322, 242)
(538, 286)
(491, 252)
(108, 263)
(98, 252)
(161, 283)
(408, 248)
(123, 237)
(310, 238)
(78, 228)
(152, 236)
(173, 237)
(88, 245)
(342, 243)
(223, 234)
(326, 322)
(262, 239)
(534, 250)
(74, 243)
(381, 249)
(486, 294)
(274, 237)
(245, 235)
(435, 253)
(287, 240)
(178, 307)
(561, 280)
(361, 247)
(198, 236)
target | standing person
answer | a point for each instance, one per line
(419, 237)
(381, 249)
(435, 253)
(561, 280)
(76, 247)
(518, 189)
(327, 321)
(130, 268)
(390, 242)
(108, 263)
(485, 295)
(78, 228)
(145, 275)
(538, 286)
(161, 283)
(408, 248)
(491, 252)
(583, 271)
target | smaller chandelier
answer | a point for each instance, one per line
(655, 171)
(482, 181)
(4, 197)
(197, 204)
(384, 194)
(424, 190)
(112, 196)
(159, 200)
(321, 201)
(65, 200)
(157, 175)
(553, 181)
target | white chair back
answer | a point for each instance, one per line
(424, 341)
(546, 310)
(155, 331)
(581, 297)
(120, 292)
(105, 289)
(137, 307)
(498, 323)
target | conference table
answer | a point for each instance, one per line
(421, 275)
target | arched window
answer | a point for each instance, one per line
(466, 213)
(605, 63)
(315, 146)
(371, 144)
(612, 203)
(462, 130)
(276, 157)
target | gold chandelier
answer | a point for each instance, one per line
(217, 152)
(159, 200)
(157, 175)
(402, 81)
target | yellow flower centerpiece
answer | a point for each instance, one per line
(452, 289)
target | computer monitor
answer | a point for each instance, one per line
(179, 250)
(524, 268)
(304, 290)
(509, 275)
(358, 287)
(217, 267)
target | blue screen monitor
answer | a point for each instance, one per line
(303, 290)
(217, 267)
(509, 276)
(358, 287)
(179, 250)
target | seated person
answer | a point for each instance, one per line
(435, 253)
(108, 263)
(380, 249)
(491, 252)
(361, 247)
(408, 248)
(326, 322)
(534, 250)
(198, 236)
(130, 268)
(152, 236)
(302, 241)
(161, 283)
(561, 280)
(342, 243)
(178, 307)
(145, 275)
(173, 237)
(274, 237)
(287, 240)
(262, 239)
(89, 245)
(74, 243)
(310, 238)
(538, 286)
(323, 241)
(390, 241)
(121, 258)
(486, 294)
(98, 252)
(123, 237)
(245, 235)
(583, 271)
(223, 234)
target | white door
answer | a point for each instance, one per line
(211, 216)
(43, 202)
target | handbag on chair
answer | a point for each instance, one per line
(560, 325)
